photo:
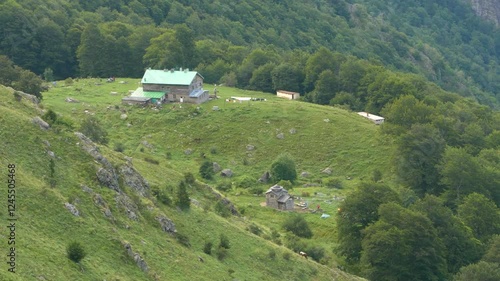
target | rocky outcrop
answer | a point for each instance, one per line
(133, 179)
(106, 175)
(125, 203)
(141, 263)
(166, 224)
(38, 121)
(487, 9)
(72, 209)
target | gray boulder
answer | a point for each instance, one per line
(327, 171)
(72, 209)
(166, 224)
(250, 147)
(226, 173)
(265, 177)
(42, 124)
(280, 136)
(135, 180)
(305, 174)
(108, 179)
(293, 131)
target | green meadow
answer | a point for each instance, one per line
(178, 138)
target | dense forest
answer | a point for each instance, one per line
(444, 41)
(411, 61)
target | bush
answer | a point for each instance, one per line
(333, 183)
(182, 198)
(256, 190)
(207, 248)
(271, 254)
(50, 117)
(68, 81)
(213, 150)
(285, 184)
(286, 255)
(377, 175)
(224, 186)
(207, 170)
(221, 253)
(75, 252)
(119, 147)
(298, 226)
(161, 195)
(224, 242)
(305, 194)
(168, 155)
(294, 243)
(283, 168)
(91, 128)
(189, 178)
(315, 252)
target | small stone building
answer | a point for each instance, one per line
(278, 198)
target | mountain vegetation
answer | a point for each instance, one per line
(416, 198)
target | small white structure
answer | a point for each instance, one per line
(288, 95)
(374, 118)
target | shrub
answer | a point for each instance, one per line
(221, 253)
(182, 198)
(315, 252)
(283, 168)
(75, 252)
(161, 195)
(305, 194)
(17, 96)
(286, 255)
(285, 184)
(169, 155)
(294, 243)
(298, 226)
(213, 150)
(91, 128)
(119, 147)
(68, 81)
(207, 248)
(377, 175)
(189, 178)
(333, 183)
(50, 117)
(207, 170)
(271, 254)
(224, 242)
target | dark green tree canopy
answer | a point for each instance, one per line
(283, 168)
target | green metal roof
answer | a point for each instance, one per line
(153, 95)
(168, 77)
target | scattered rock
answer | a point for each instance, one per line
(326, 120)
(280, 136)
(265, 177)
(215, 108)
(195, 202)
(268, 122)
(87, 189)
(216, 167)
(293, 131)
(250, 147)
(167, 224)
(147, 144)
(29, 97)
(113, 93)
(46, 142)
(124, 202)
(129, 125)
(188, 151)
(226, 173)
(122, 82)
(123, 116)
(230, 206)
(51, 154)
(108, 179)
(327, 171)
(72, 209)
(305, 174)
(135, 180)
(128, 159)
(38, 121)
(71, 100)
(137, 258)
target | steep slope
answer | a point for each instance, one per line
(119, 229)
(487, 9)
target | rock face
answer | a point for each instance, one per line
(226, 173)
(106, 175)
(487, 9)
(38, 121)
(72, 209)
(141, 263)
(133, 179)
(265, 177)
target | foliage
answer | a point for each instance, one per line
(358, 211)
(189, 178)
(182, 198)
(493, 252)
(286, 184)
(207, 170)
(333, 183)
(481, 215)
(483, 271)
(224, 186)
(221, 253)
(119, 147)
(222, 209)
(92, 128)
(75, 252)
(298, 226)
(50, 117)
(183, 239)
(255, 229)
(244, 181)
(283, 168)
(207, 247)
(161, 195)
(224, 242)
(402, 245)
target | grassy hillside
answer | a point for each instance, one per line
(348, 144)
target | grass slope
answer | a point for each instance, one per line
(347, 143)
